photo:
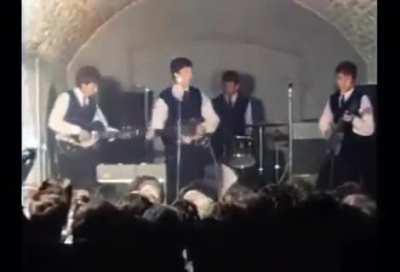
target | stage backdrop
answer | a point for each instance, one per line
(274, 42)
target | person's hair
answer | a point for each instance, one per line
(362, 202)
(239, 201)
(178, 64)
(202, 187)
(95, 222)
(231, 76)
(86, 75)
(284, 196)
(346, 189)
(161, 215)
(187, 211)
(135, 204)
(141, 181)
(49, 208)
(108, 192)
(348, 68)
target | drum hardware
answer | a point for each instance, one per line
(260, 129)
(242, 157)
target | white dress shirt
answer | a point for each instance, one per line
(363, 126)
(160, 113)
(56, 119)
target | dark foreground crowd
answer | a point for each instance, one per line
(274, 228)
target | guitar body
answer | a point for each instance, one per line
(72, 147)
(335, 141)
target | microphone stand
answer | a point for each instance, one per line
(179, 146)
(290, 119)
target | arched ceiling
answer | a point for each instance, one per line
(56, 29)
(355, 19)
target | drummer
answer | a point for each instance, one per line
(234, 111)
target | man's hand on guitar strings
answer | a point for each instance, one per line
(347, 116)
(84, 135)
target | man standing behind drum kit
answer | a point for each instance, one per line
(234, 112)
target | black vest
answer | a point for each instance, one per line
(350, 138)
(232, 119)
(190, 110)
(80, 115)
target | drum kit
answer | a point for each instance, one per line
(245, 157)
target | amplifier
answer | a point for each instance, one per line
(308, 148)
(125, 173)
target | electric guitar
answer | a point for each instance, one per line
(191, 133)
(72, 146)
(335, 140)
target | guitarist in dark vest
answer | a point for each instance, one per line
(196, 112)
(348, 123)
(75, 115)
(234, 112)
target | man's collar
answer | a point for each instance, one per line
(234, 96)
(347, 94)
(78, 93)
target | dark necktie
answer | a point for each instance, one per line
(341, 101)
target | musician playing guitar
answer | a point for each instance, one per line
(348, 123)
(198, 119)
(74, 118)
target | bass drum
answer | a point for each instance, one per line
(242, 153)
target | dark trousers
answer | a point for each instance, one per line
(356, 162)
(80, 169)
(192, 167)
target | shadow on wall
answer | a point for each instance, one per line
(110, 95)
(247, 88)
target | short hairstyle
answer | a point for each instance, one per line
(48, 210)
(231, 76)
(141, 181)
(135, 204)
(187, 211)
(202, 187)
(161, 214)
(86, 75)
(362, 202)
(96, 221)
(178, 64)
(347, 188)
(347, 68)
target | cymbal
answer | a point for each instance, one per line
(264, 124)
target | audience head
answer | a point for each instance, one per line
(48, 208)
(148, 187)
(362, 202)
(347, 188)
(239, 200)
(108, 192)
(161, 215)
(202, 195)
(187, 211)
(136, 204)
(95, 222)
(283, 195)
